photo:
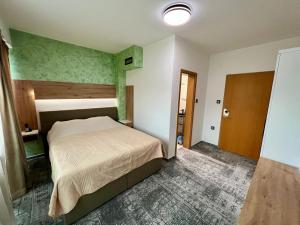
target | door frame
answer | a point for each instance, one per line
(190, 73)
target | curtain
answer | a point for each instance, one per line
(6, 212)
(15, 160)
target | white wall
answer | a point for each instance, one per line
(188, 57)
(153, 89)
(252, 59)
(5, 31)
(156, 89)
(282, 136)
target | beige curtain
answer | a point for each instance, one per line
(6, 212)
(16, 166)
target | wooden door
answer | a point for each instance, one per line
(129, 102)
(244, 113)
(189, 112)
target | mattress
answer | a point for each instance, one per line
(87, 154)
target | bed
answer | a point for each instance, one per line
(94, 158)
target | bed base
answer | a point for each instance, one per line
(88, 203)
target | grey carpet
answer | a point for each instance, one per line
(203, 186)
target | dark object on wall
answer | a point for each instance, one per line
(27, 128)
(212, 127)
(128, 60)
(218, 101)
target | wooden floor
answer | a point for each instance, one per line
(273, 197)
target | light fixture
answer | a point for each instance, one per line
(177, 14)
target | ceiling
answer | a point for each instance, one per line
(112, 25)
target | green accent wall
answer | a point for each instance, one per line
(38, 58)
(137, 55)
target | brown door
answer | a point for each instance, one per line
(189, 106)
(189, 114)
(244, 113)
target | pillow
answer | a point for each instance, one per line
(66, 128)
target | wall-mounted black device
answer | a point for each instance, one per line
(27, 127)
(129, 60)
(218, 101)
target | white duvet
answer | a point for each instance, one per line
(87, 154)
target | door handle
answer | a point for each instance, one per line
(225, 112)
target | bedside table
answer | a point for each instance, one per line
(33, 144)
(30, 135)
(127, 123)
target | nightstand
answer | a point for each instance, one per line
(33, 144)
(30, 135)
(127, 123)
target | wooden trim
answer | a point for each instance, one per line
(267, 71)
(65, 90)
(24, 103)
(129, 102)
(27, 91)
(177, 112)
(190, 73)
(188, 133)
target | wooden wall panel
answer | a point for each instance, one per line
(24, 102)
(26, 91)
(64, 90)
(129, 102)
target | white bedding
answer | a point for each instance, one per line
(87, 154)
(79, 126)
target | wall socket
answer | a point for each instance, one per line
(212, 127)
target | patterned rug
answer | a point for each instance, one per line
(204, 187)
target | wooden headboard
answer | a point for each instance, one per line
(27, 91)
(47, 119)
(63, 90)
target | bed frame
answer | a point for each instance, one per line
(89, 202)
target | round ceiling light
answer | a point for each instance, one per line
(177, 14)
